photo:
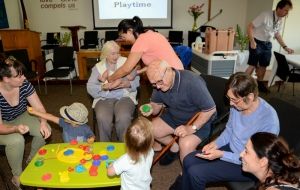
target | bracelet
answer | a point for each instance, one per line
(284, 47)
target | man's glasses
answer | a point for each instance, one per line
(161, 81)
(234, 100)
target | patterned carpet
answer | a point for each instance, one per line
(163, 176)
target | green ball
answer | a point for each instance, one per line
(146, 108)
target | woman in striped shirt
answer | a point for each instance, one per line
(15, 94)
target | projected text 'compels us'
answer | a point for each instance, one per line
(119, 4)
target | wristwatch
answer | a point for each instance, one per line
(195, 128)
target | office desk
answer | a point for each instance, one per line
(72, 166)
(82, 55)
(293, 59)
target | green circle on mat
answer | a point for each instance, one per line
(146, 108)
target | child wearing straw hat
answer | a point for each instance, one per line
(73, 122)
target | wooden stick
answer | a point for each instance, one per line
(167, 147)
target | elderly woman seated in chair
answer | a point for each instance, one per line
(113, 101)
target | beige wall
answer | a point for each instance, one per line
(234, 12)
(47, 20)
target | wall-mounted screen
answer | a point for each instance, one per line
(155, 13)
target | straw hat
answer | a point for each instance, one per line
(76, 112)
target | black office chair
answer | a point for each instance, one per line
(284, 72)
(110, 35)
(51, 40)
(217, 89)
(22, 56)
(175, 38)
(63, 65)
(90, 40)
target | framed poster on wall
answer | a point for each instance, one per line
(3, 16)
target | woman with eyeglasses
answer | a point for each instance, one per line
(268, 158)
(146, 45)
(220, 159)
(15, 94)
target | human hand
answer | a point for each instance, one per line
(210, 154)
(44, 130)
(105, 86)
(146, 110)
(91, 140)
(22, 129)
(183, 130)
(289, 50)
(30, 109)
(253, 44)
(210, 146)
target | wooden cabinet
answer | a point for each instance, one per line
(24, 39)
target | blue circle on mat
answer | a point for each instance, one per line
(79, 169)
(96, 162)
(68, 152)
(110, 148)
(104, 157)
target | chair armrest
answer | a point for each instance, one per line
(81, 41)
(102, 41)
(35, 65)
(43, 42)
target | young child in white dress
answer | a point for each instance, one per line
(134, 166)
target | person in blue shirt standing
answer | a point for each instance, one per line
(220, 159)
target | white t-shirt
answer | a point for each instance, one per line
(266, 25)
(134, 176)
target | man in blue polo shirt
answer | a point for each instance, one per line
(183, 94)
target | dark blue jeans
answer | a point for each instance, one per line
(198, 172)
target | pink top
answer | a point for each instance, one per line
(155, 46)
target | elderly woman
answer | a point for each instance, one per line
(15, 94)
(112, 101)
(268, 158)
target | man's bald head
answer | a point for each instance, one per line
(156, 69)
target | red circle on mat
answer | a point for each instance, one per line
(46, 176)
(42, 151)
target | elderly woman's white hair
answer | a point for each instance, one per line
(107, 48)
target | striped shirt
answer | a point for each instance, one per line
(9, 112)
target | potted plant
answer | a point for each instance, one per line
(242, 38)
(64, 40)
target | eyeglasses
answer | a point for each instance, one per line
(235, 101)
(161, 81)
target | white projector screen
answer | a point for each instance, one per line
(154, 13)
